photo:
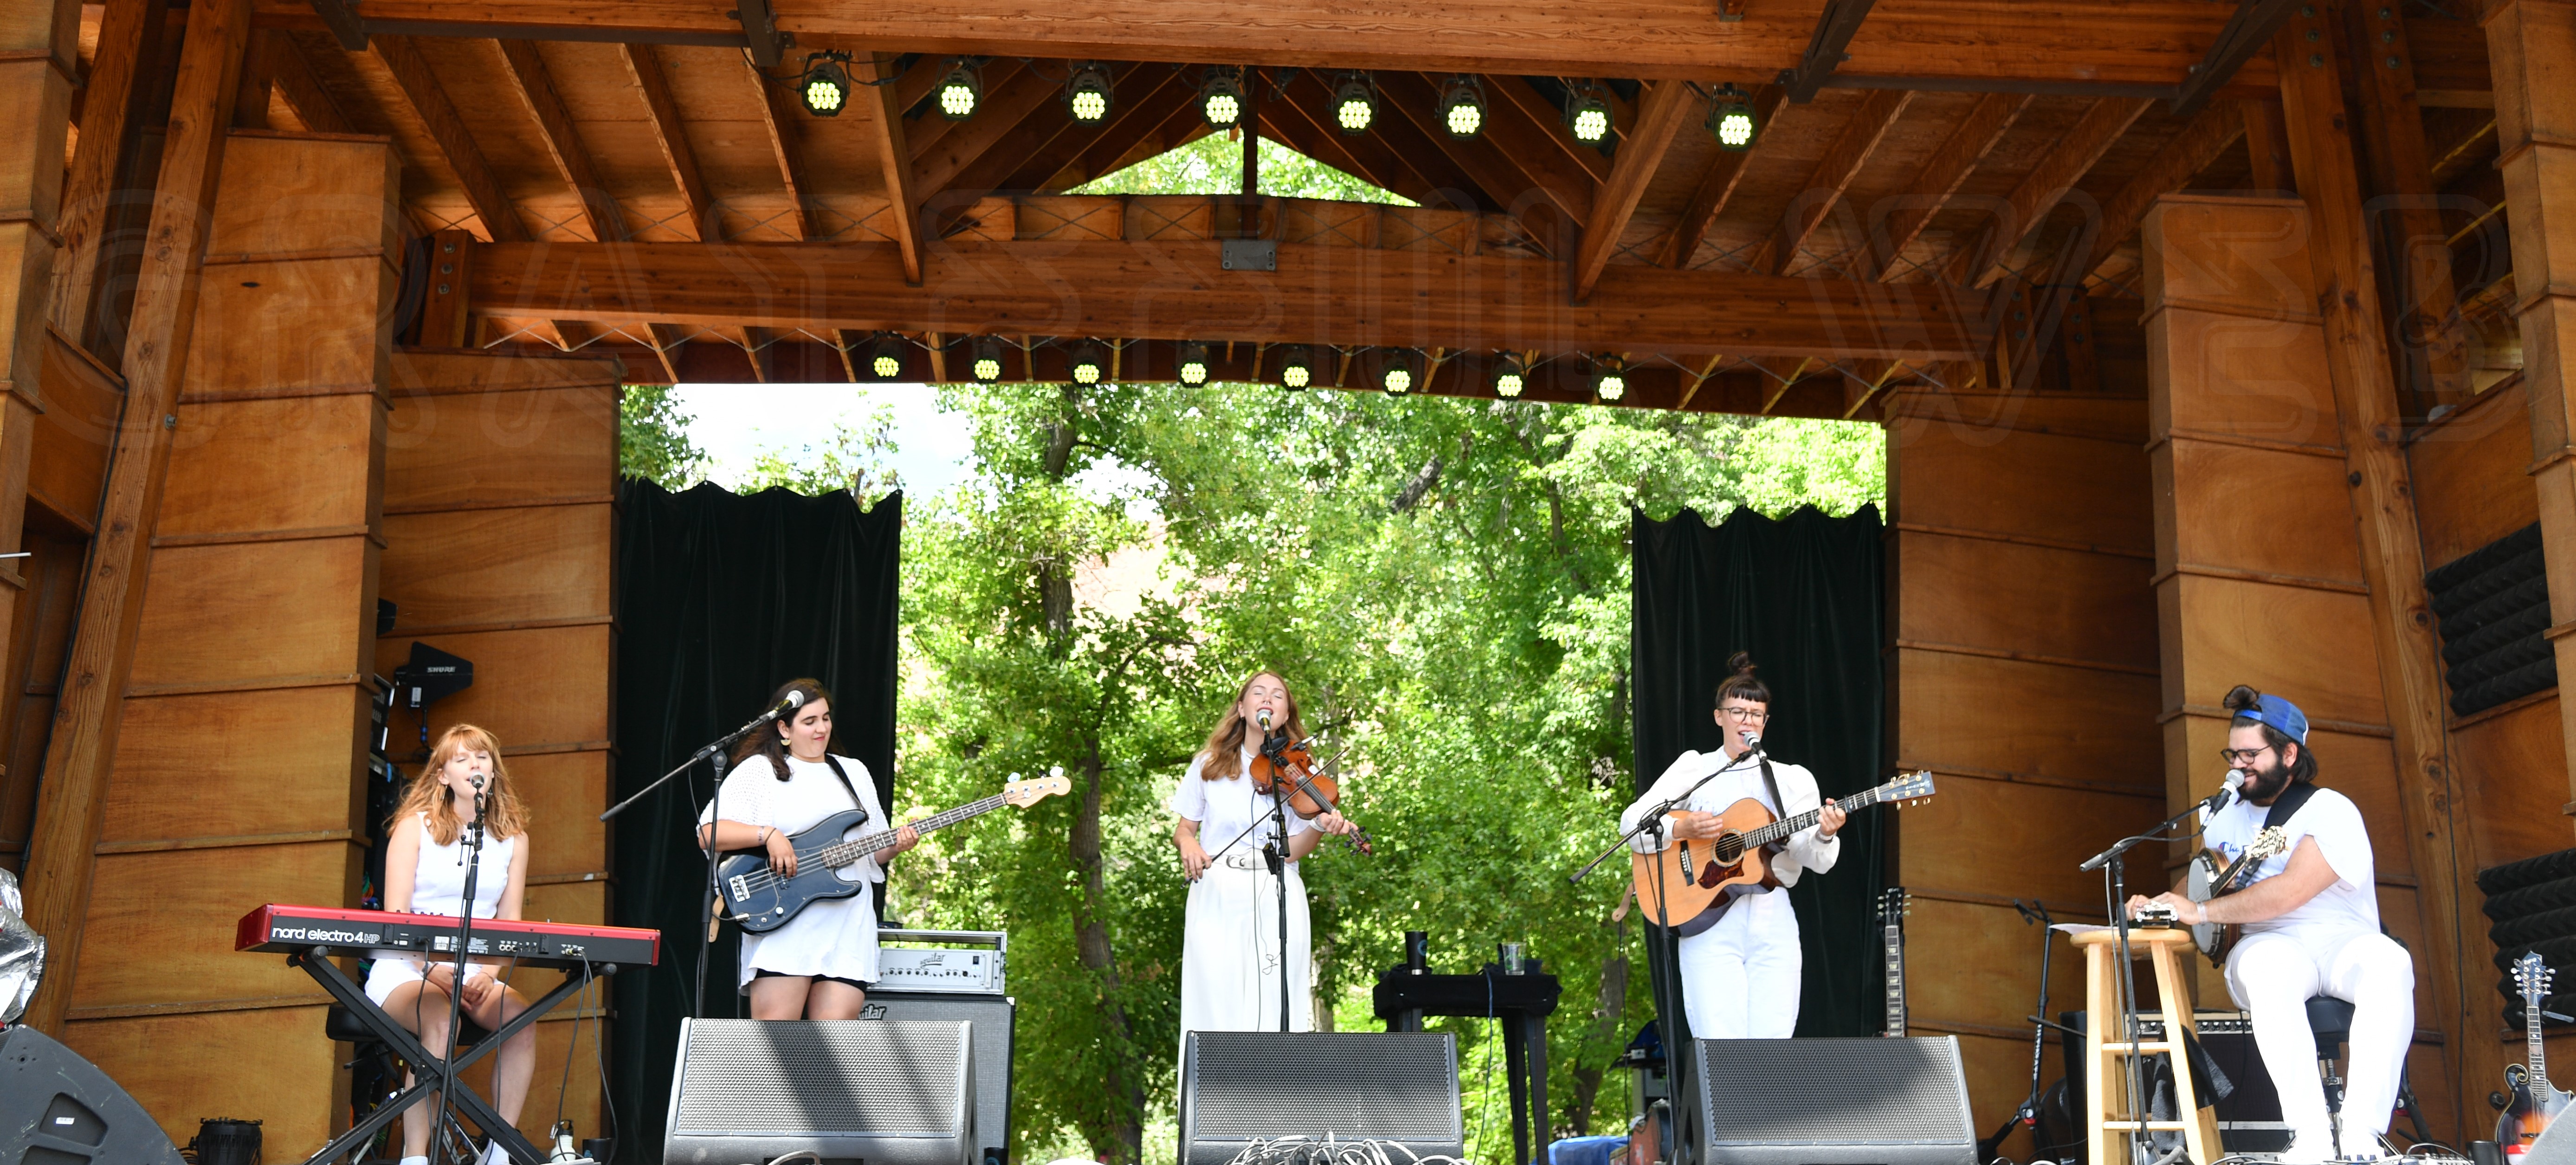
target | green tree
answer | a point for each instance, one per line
(1213, 164)
(653, 438)
(857, 459)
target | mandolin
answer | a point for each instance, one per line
(2535, 1102)
(761, 901)
(2207, 880)
(1689, 884)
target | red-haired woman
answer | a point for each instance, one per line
(1230, 947)
(425, 874)
(785, 781)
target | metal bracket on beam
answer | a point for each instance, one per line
(1834, 29)
(2245, 35)
(759, 32)
(342, 18)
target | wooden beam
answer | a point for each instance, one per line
(2424, 320)
(1027, 97)
(1960, 154)
(1835, 27)
(2048, 182)
(894, 162)
(536, 90)
(250, 106)
(1536, 141)
(662, 111)
(1833, 173)
(292, 73)
(1716, 186)
(1176, 290)
(1414, 103)
(2209, 134)
(1518, 93)
(2248, 29)
(429, 102)
(72, 801)
(1146, 97)
(2267, 146)
(127, 37)
(779, 121)
(2392, 551)
(1660, 116)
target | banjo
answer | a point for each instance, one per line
(2208, 879)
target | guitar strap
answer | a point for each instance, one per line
(846, 786)
(1777, 802)
(2288, 802)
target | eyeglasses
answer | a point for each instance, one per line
(2238, 758)
(1746, 714)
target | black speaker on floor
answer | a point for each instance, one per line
(993, 1017)
(1865, 1101)
(2249, 1116)
(889, 1092)
(1239, 1087)
(59, 1109)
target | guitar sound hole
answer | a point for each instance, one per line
(1726, 850)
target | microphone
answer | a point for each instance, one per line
(1263, 716)
(2226, 793)
(793, 701)
(1752, 742)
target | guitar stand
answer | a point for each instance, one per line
(430, 1074)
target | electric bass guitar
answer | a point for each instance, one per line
(2535, 1102)
(761, 900)
(2206, 881)
(1689, 884)
(1893, 906)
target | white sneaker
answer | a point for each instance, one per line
(494, 1154)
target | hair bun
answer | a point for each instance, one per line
(1741, 663)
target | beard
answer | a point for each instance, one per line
(2267, 782)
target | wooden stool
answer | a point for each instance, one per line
(2107, 1055)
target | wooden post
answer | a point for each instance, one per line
(68, 810)
(128, 35)
(2530, 44)
(2424, 318)
(2392, 552)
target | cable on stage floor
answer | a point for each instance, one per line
(1331, 1150)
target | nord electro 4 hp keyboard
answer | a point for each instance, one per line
(299, 929)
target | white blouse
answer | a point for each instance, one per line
(836, 937)
(1227, 809)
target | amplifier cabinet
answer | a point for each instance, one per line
(1239, 1087)
(888, 1093)
(1864, 1101)
(993, 1017)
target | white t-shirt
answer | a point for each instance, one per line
(1226, 809)
(1735, 781)
(836, 936)
(2350, 904)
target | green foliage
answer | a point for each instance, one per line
(856, 460)
(653, 438)
(1445, 580)
(1213, 164)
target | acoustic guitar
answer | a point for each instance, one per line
(2535, 1102)
(1689, 884)
(2207, 880)
(761, 901)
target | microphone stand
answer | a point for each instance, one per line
(2113, 863)
(1275, 852)
(456, 984)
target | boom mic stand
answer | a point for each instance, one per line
(456, 982)
(2028, 1113)
(2113, 863)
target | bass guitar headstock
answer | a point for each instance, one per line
(1024, 793)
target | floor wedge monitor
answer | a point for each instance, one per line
(887, 1092)
(992, 1017)
(1866, 1101)
(1241, 1087)
(59, 1109)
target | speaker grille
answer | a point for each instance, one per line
(743, 1077)
(1390, 1086)
(1853, 1092)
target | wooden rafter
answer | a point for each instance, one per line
(894, 162)
(1968, 144)
(923, 133)
(1535, 142)
(1304, 120)
(1029, 97)
(1533, 105)
(1717, 185)
(2425, 312)
(1176, 290)
(127, 33)
(778, 121)
(2247, 30)
(291, 74)
(1145, 97)
(1833, 174)
(662, 113)
(429, 102)
(2048, 182)
(2209, 134)
(1659, 117)
(536, 90)
(1414, 102)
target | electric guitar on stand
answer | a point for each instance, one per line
(2535, 1101)
(1892, 909)
(1699, 878)
(761, 901)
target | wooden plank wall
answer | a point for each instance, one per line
(2259, 575)
(244, 734)
(2023, 673)
(499, 510)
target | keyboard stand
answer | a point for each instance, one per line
(429, 1071)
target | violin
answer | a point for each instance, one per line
(1310, 793)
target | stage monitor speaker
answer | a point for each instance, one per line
(1864, 1101)
(59, 1109)
(1239, 1087)
(993, 1017)
(889, 1093)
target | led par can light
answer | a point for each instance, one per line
(1087, 94)
(1192, 366)
(1510, 376)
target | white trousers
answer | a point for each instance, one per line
(1230, 964)
(1740, 977)
(2273, 976)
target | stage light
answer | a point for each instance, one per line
(1510, 377)
(1462, 107)
(961, 93)
(984, 359)
(1192, 368)
(1221, 97)
(1090, 363)
(1587, 116)
(1609, 377)
(885, 357)
(1086, 96)
(1399, 371)
(826, 85)
(1355, 103)
(1731, 120)
(1297, 368)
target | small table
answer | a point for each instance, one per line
(2107, 1056)
(1521, 1002)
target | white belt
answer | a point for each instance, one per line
(1244, 861)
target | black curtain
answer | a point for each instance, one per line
(721, 599)
(1806, 596)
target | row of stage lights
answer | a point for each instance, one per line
(1400, 370)
(1224, 91)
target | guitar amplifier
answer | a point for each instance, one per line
(954, 961)
(1865, 1101)
(891, 1093)
(2249, 1116)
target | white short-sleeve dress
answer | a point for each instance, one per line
(438, 887)
(835, 937)
(1230, 944)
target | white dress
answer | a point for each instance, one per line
(835, 937)
(438, 887)
(1230, 948)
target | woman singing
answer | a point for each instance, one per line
(425, 874)
(785, 780)
(1230, 964)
